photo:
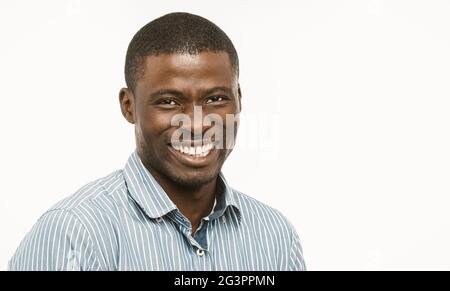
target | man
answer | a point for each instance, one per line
(170, 208)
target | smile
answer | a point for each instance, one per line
(194, 151)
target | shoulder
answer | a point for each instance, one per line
(92, 193)
(272, 230)
(94, 206)
(256, 211)
(74, 223)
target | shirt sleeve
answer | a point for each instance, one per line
(296, 260)
(57, 242)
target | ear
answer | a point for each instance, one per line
(126, 98)
(239, 96)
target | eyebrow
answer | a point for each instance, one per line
(181, 95)
(220, 88)
(166, 91)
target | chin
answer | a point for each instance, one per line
(194, 180)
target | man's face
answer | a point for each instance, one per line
(177, 85)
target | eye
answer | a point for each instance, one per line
(215, 98)
(168, 101)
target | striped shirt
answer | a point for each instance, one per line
(125, 221)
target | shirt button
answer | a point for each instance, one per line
(200, 252)
(224, 219)
(159, 219)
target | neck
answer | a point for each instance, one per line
(193, 202)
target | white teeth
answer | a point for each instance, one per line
(199, 151)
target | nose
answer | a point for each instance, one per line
(195, 127)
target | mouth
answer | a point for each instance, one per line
(194, 151)
(193, 154)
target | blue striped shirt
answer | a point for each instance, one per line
(125, 221)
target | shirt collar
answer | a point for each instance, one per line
(151, 197)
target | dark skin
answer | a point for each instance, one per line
(172, 84)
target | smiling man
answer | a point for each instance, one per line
(170, 208)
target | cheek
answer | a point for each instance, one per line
(153, 126)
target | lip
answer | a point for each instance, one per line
(193, 161)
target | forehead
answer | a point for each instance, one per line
(206, 69)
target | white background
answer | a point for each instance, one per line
(345, 124)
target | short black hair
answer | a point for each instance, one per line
(178, 32)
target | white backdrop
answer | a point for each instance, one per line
(345, 124)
